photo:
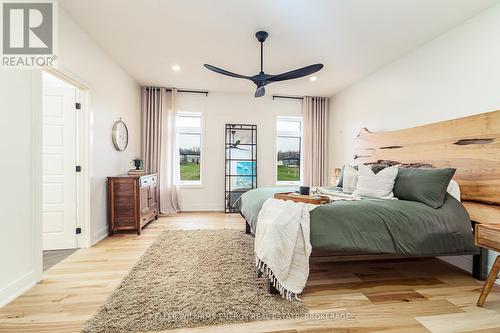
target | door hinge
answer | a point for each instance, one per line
(78, 168)
(78, 230)
(78, 106)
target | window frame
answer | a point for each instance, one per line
(193, 131)
(290, 134)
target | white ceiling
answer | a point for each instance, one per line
(352, 38)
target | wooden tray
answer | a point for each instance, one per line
(311, 199)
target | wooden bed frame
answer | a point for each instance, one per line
(471, 145)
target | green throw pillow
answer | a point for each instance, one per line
(423, 185)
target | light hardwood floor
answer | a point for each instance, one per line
(389, 296)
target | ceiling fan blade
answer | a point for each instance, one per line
(224, 72)
(304, 71)
(261, 91)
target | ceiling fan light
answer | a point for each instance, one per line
(313, 78)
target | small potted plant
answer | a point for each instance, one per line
(137, 163)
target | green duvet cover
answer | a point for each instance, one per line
(379, 225)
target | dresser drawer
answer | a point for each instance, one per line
(147, 180)
(488, 235)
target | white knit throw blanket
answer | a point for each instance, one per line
(282, 245)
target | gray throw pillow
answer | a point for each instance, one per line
(350, 179)
(423, 185)
(375, 167)
(341, 177)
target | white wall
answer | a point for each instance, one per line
(222, 108)
(113, 95)
(20, 205)
(455, 75)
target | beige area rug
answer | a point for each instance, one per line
(190, 279)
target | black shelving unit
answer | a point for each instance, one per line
(241, 162)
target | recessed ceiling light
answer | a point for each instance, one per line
(313, 78)
(176, 68)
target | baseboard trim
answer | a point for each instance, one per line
(202, 209)
(17, 287)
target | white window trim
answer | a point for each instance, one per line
(289, 134)
(190, 130)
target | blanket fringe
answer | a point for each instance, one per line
(286, 294)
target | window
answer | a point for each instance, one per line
(189, 131)
(288, 150)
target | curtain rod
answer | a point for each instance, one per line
(205, 92)
(294, 97)
(192, 91)
(287, 97)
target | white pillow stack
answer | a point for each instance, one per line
(373, 185)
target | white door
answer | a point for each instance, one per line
(59, 162)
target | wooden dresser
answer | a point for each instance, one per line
(132, 202)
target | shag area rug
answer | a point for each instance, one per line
(190, 279)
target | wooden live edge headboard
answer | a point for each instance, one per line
(470, 144)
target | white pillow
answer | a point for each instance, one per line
(349, 179)
(378, 185)
(454, 190)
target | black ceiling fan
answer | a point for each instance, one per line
(262, 79)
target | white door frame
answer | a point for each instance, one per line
(83, 155)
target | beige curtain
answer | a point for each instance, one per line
(315, 113)
(159, 145)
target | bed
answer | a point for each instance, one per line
(377, 228)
